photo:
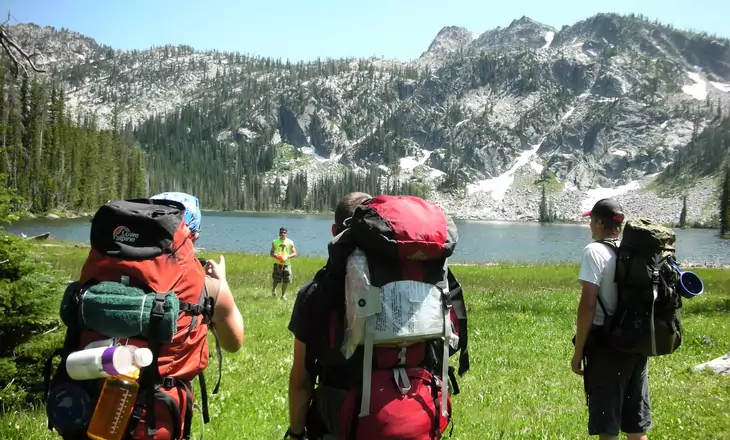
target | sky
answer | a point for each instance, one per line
(305, 30)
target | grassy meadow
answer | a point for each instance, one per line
(520, 384)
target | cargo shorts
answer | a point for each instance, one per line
(282, 273)
(617, 390)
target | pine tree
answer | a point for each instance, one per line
(545, 214)
(725, 205)
(55, 162)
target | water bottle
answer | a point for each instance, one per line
(99, 362)
(114, 407)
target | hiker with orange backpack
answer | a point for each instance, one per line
(227, 319)
(137, 325)
(377, 379)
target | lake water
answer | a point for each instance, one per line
(479, 241)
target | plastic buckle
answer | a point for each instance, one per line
(158, 309)
(208, 309)
(168, 383)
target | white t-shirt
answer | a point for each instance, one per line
(597, 266)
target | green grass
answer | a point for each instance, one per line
(520, 384)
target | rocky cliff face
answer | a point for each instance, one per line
(596, 108)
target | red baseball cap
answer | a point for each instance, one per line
(607, 208)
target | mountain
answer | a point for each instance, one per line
(478, 123)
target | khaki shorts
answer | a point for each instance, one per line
(282, 273)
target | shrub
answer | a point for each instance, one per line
(30, 293)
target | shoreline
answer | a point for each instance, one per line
(71, 215)
(53, 243)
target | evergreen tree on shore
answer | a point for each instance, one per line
(56, 162)
(725, 204)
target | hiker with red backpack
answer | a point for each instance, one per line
(137, 325)
(376, 326)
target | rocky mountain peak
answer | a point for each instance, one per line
(449, 40)
(56, 46)
(521, 33)
(524, 21)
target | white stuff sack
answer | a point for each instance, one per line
(403, 311)
(411, 311)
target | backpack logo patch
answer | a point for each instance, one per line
(122, 234)
(418, 255)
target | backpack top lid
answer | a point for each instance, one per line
(403, 227)
(136, 228)
(648, 237)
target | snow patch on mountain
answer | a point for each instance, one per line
(548, 39)
(408, 163)
(596, 194)
(698, 90)
(498, 186)
(721, 86)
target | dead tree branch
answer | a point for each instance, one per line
(11, 46)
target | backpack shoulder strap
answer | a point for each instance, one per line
(456, 297)
(611, 244)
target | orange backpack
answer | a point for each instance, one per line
(139, 246)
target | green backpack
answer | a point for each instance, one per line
(647, 320)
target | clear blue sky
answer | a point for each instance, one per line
(299, 30)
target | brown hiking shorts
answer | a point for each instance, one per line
(282, 273)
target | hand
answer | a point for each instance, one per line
(284, 258)
(575, 363)
(216, 270)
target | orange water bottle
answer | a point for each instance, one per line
(114, 407)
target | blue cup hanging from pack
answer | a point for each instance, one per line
(691, 284)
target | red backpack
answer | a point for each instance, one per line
(401, 316)
(138, 247)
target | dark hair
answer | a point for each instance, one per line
(609, 223)
(346, 207)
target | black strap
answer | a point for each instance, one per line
(193, 309)
(204, 307)
(135, 418)
(291, 435)
(454, 383)
(172, 406)
(611, 244)
(151, 374)
(456, 297)
(187, 427)
(204, 397)
(600, 303)
(220, 359)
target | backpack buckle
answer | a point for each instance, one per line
(207, 309)
(168, 383)
(158, 308)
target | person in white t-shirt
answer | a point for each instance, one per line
(615, 383)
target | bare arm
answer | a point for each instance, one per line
(300, 389)
(272, 252)
(586, 310)
(227, 319)
(293, 252)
